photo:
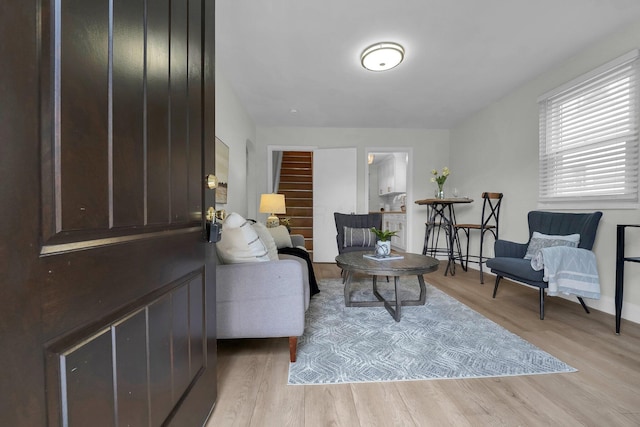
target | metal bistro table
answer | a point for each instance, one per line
(441, 215)
(411, 264)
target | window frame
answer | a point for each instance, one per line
(548, 107)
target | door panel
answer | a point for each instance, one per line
(329, 165)
(90, 381)
(132, 394)
(128, 114)
(157, 107)
(81, 133)
(107, 286)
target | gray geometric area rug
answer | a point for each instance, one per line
(443, 339)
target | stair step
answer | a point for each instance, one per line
(295, 172)
(304, 163)
(297, 202)
(299, 211)
(296, 194)
(295, 178)
(299, 154)
(285, 186)
(301, 222)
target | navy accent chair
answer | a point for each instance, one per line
(355, 221)
(509, 259)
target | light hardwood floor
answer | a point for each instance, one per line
(253, 390)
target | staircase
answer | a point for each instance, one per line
(296, 183)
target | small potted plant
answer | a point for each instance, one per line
(383, 244)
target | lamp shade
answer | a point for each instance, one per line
(272, 204)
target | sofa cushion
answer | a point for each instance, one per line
(267, 240)
(539, 241)
(240, 242)
(281, 236)
(361, 237)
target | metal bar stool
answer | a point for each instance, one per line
(489, 223)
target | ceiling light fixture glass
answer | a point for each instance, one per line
(382, 56)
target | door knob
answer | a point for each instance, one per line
(211, 181)
(211, 214)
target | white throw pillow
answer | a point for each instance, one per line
(267, 239)
(234, 220)
(281, 236)
(539, 241)
(240, 242)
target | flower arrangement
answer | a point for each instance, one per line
(286, 222)
(383, 235)
(440, 179)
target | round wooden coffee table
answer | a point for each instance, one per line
(409, 265)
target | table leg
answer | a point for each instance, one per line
(423, 291)
(619, 274)
(347, 288)
(393, 307)
(451, 262)
(396, 313)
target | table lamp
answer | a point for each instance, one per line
(272, 204)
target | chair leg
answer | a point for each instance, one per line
(293, 346)
(480, 264)
(466, 260)
(584, 305)
(541, 303)
(495, 288)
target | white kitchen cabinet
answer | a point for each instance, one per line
(392, 174)
(396, 222)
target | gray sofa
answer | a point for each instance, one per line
(263, 299)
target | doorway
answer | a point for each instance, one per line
(328, 197)
(388, 188)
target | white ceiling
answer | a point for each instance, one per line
(304, 55)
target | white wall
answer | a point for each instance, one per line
(236, 129)
(497, 150)
(430, 150)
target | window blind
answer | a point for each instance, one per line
(589, 136)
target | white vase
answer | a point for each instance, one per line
(383, 248)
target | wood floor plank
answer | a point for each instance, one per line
(240, 368)
(329, 405)
(430, 404)
(278, 404)
(380, 405)
(253, 390)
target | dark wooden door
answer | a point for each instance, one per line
(107, 287)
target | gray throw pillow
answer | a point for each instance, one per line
(539, 241)
(362, 237)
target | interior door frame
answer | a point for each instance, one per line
(409, 211)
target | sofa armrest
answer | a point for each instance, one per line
(262, 299)
(297, 240)
(504, 248)
(305, 275)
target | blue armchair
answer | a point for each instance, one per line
(509, 259)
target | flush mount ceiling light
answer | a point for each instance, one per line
(382, 56)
